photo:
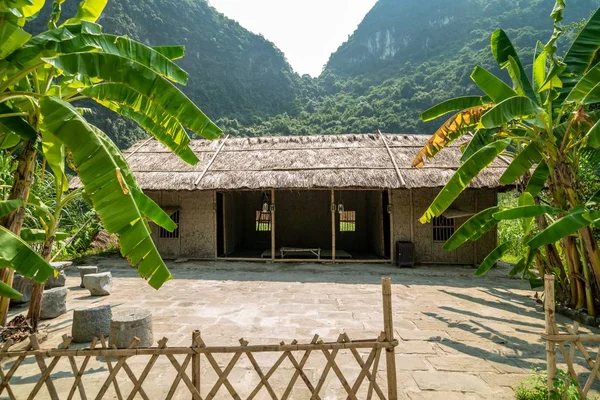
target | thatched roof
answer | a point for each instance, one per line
(306, 162)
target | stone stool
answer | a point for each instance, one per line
(98, 284)
(86, 270)
(23, 285)
(61, 279)
(54, 302)
(129, 323)
(89, 323)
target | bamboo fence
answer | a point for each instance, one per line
(189, 372)
(557, 340)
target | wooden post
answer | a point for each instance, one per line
(391, 216)
(475, 246)
(549, 319)
(215, 223)
(388, 329)
(273, 225)
(196, 362)
(411, 215)
(333, 211)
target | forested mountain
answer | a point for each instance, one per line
(233, 72)
(407, 55)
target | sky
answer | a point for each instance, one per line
(307, 31)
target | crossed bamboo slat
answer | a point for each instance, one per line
(115, 369)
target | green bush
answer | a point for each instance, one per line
(534, 387)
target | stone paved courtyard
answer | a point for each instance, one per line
(460, 336)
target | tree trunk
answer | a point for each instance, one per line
(14, 221)
(574, 266)
(35, 305)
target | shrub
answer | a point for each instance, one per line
(534, 387)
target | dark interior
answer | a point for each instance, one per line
(303, 220)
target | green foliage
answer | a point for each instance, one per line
(535, 387)
(510, 229)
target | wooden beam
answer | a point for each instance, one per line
(215, 223)
(388, 329)
(211, 162)
(411, 214)
(400, 178)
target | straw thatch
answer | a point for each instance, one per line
(307, 162)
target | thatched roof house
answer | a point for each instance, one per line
(336, 197)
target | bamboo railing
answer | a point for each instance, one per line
(556, 340)
(189, 372)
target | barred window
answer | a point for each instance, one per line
(165, 234)
(348, 221)
(443, 228)
(263, 221)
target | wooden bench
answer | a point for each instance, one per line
(299, 251)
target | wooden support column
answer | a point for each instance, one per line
(273, 224)
(388, 326)
(411, 215)
(475, 243)
(391, 216)
(196, 363)
(215, 222)
(549, 319)
(333, 211)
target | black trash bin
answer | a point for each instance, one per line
(405, 254)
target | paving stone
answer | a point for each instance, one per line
(503, 380)
(415, 347)
(439, 395)
(460, 363)
(451, 381)
(410, 362)
(417, 334)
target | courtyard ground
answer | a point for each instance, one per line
(460, 336)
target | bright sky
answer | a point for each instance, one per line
(307, 31)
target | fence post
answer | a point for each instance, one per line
(196, 362)
(388, 329)
(549, 319)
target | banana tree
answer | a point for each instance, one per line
(43, 77)
(543, 126)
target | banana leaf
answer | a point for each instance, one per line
(565, 226)
(527, 211)
(522, 163)
(482, 137)
(146, 205)
(16, 254)
(54, 153)
(171, 52)
(154, 120)
(125, 47)
(459, 103)
(109, 194)
(8, 140)
(8, 206)
(507, 57)
(538, 178)
(475, 226)
(453, 128)
(462, 177)
(509, 109)
(585, 85)
(142, 80)
(39, 235)
(11, 38)
(525, 200)
(494, 257)
(580, 56)
(15, 125)
(491, 85)
(88, 10)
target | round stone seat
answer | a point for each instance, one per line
(89, 323)
(90, 269)
(127, 324)
(54, 302)
(99, 284)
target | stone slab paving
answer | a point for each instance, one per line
(461, 337)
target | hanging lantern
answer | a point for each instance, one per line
(265, 207)
(340, 208)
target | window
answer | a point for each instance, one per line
(165, 234)
(443, 228)
(348, 221)
(263, 221)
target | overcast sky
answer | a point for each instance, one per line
(307, 31)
